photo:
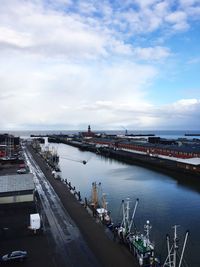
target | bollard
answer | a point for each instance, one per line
(86, 202)
(79, 195)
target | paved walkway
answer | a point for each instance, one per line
(107, 252)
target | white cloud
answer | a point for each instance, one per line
(182, 114)
(176, 17)
(90, 62)
(40, 29)
(193, 12)
(87, 7)
(187, 3)
(59, 92)
(146, 3)
(152, 53)
(12, 37)
(53, 34)
(178, 20)
(187, 104)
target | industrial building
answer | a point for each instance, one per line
(175, 149)
(9, 145)
(16, 189)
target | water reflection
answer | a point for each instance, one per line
(163, 200)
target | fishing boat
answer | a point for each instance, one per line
(142, 248)
(98, 204)
(52, 158)
(138, 243)
(173, 258)
(125, 227)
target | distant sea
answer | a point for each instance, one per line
(170, 134)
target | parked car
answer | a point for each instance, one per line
(14, 256)
(21, 171)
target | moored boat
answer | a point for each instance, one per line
(139, 244)
(125, 227)
(52, 158)
(98, 204)
(142, 248)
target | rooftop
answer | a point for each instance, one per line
(13, 183)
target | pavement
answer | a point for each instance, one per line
(105, 252)
(70, 246)
(15, 235)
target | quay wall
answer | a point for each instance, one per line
(170, 167)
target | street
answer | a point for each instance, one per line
(71, 249)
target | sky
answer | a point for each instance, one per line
(113, 64)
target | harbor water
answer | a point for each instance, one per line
(163, 200)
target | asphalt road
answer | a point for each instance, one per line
(71, 249)
(91, 242)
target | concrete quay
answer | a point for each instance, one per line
(107, 252)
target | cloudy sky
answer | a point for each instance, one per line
(65, 64)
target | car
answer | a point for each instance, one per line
(14, 256)
(21, 171)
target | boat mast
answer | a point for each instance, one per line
(125, 212)
(94, 194)
(147, 228)
(172, 252)
(171, 259)
(183, 250)
(169, 253)
(133, 215)
(126, 222)
(104, 203)
(175, 244)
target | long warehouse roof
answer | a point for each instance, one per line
(18, 182)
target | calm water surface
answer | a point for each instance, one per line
(162, 200)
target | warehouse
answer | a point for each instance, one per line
(16, 189)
